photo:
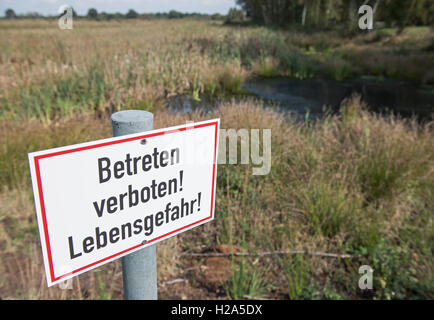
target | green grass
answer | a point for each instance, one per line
(297, 273)
(244, 283)
(328, 208)
(352, 183)
(342, 184)
(59, 74)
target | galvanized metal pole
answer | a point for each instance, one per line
(139, 269)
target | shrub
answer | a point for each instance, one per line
(234, 16)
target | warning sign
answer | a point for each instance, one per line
(98, 201)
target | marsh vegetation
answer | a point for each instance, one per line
(353, 182)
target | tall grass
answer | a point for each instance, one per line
(325, 192)
(46, 72)
(244, 284)
(354, 182)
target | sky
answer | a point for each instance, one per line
(50, 7)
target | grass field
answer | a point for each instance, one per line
(355, 184)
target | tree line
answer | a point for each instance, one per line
(306, 13)
(328, 13)
(93, 14)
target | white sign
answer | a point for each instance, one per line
(101, 200)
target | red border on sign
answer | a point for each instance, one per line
(104, 144)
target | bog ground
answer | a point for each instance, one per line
(354, 184)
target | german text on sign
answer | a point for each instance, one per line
(101, 200)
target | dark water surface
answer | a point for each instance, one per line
(314, 96)
(311, 95)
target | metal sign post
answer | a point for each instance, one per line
(139, 269)
(102, 200)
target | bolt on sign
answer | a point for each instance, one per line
(98, 201)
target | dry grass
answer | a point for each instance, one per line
(344, 184)
(49, 73)
(355, 183)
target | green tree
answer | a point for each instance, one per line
(106, 16)
(403, 13)
(324, 13)
(173, 14)
(278, 12)
(234, 16)
(131, 14)
(92, 13)
(10, 14)
(216, 16)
